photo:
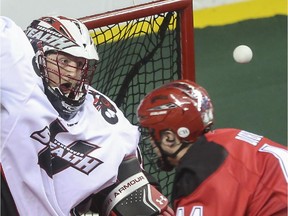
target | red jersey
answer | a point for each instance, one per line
(232, 172)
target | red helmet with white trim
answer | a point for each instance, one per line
(181, 106)
(63, 36)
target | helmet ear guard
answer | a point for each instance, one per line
(162, 161)
(38, 60)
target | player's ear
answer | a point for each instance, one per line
(168, 139)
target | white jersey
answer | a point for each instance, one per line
(51, 164)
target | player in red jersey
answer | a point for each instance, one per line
(219, 172)
(63, 143)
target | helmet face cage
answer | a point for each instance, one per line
(153, 152)
(71, 87)
(53, 38)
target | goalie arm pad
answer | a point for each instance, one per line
(133, 195)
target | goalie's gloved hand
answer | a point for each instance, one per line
(134, 195)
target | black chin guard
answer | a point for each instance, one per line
(67, 108)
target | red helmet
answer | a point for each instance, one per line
(181, 106)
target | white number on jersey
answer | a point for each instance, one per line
(196, 211)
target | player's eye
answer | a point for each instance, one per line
(64, 61)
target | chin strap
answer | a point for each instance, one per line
(163, 162)
(184, 145)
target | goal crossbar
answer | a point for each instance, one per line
(148, 9)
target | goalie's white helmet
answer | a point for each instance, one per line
(63, 36)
